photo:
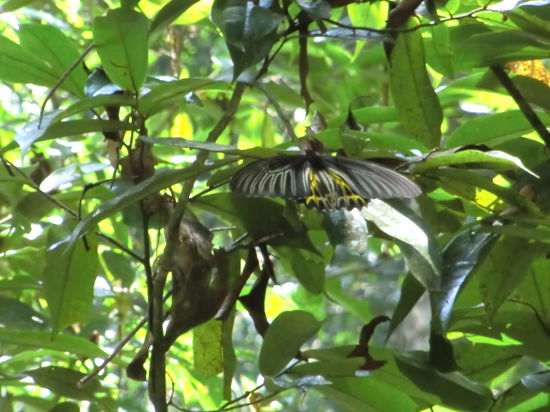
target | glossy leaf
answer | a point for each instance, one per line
(402, 227)
(454, 389)
(366, 394)
(250, 31)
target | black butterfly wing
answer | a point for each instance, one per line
(282, 176)
(371, 180)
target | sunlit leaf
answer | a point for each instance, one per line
(52, 46)
(43, 339)
(415, 99)
(120, 38)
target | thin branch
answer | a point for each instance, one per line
(173, 226)
(61, 80)
(230, 405)
(392, 30)
(523, 105)
(115, 352)
(278, 109)
(34, 186)
(121, 247)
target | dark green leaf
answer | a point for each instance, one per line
(250, 32)
(506, 265)
(454, 389)
(411, 291)
(307, 266)
(63, 382)
(366, 394)
(17, 315)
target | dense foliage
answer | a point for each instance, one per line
(132, 278)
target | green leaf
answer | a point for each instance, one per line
(249, 31)
(18, 65)
(16, 314)
(506, 265)
(52, 46)
(207, 348)
(35, 131)
(402, 227)
(460, 256)
(64, 382)
(170, 12)
(160, 180)
(120, 267)
(165, 93)
(534, 91)
(493, 47)
(88, 103)
(355, 306)
(454, 389)
(65, 407)
(491, 158)
(493, 128)
(415, 99)
(367, 394)
(121, 39)
(283, 339)
(411, 291)
(69, 276)
(43, 339)
(11, 5)
(532, 19)
(259, 217)
(308, 267)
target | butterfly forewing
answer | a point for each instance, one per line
(282, 176)
(322, 181)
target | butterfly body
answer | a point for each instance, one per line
(322, 181)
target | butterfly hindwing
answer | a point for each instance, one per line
(322, 181)
(371, 180)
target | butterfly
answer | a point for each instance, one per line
(322, 181)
